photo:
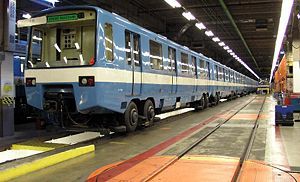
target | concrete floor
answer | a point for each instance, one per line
(228, 141)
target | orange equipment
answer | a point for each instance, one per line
(281, 75)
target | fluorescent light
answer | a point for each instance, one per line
(229, 50)
(235, 56)
(77, 46)
(201, 26)
(226, 47)
(52, 1)
(209, 33)
(188, 15)
(221, 44)
(81, 59)
(216, 39)
(173, 3)
(286, 9)
(65, 59)
(37, 38)
(27, 16)
(232, 53)
(56, 47)
(249, 69)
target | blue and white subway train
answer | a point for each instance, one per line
(95, 62)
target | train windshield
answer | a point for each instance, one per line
(64, 40)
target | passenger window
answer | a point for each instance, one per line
(193, 67)
(220, 74)
(136, 49)
(172, 59)
(226, 75)
(128, 47)
(202, 69)
(207, 70)
(184, 63)
(216, 72)
(108, 32)
(156, 61)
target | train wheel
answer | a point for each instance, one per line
(131, 117)
(149, 112)
(217, 99)
(206, 101)
(199, 105)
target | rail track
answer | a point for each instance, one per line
(243, 158)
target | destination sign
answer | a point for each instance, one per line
(59, 18)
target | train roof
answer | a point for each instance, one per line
(115, 15)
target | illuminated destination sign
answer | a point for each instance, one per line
(58, 18)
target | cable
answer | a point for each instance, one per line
(295, 46)
(283, 170)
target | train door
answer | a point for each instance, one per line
(208, 77)
(133, 57)
(194, 72)
(173, 68)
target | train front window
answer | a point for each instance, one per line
(63, 44)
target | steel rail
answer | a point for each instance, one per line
(197, 142)
(248, 147)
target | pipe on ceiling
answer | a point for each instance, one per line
(237, 30)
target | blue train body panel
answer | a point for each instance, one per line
(117, 83)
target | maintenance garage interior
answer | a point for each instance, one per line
(157, 90)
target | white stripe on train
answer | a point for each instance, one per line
(62, 75)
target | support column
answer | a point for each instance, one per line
(296, 66)
(7, 47)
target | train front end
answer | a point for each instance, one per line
(60, 74)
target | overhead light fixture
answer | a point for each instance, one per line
(52, 1)
(188, 15)
(27, 16)
(216, 39)
(57, 47)
(221, 44)
(249, 69)
(201, 26)
(226, 47)
(209, 33)
(173, 3)
(286, 9)
(229, 50)
(77, 46)
(37, 38)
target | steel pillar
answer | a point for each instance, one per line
(7, 47)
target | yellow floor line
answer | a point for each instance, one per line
(23, 169)
(35, 147)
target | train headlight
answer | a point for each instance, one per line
(30, 82)
(86, 81)
(33, 82)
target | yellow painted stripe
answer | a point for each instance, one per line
(28, 147)
(119, 143)
(36, 145)
(210, 158)
(38, 164)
